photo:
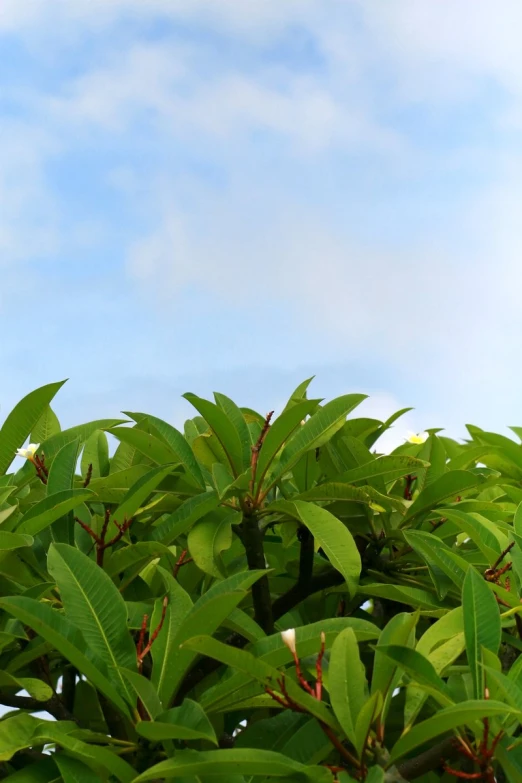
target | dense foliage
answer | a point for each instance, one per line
(143, 596)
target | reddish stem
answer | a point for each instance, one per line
(154, 636)
(88, 530)
(141, 640)
(319, 670)
(181, 561)
(464, 775)
(88, 476)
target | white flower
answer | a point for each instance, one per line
(29, 452)
(288, 638)
(422, 437)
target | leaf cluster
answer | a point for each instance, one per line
(143, 594)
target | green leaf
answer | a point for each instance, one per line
(91, 599)
(35, 688)
(205, 616)
(307, 744)
(374, 437)
(332, 491)
(273, 651)
(396, 465)
(298, 394)
(151, 447)
(222, 478)
(223, 428)
(450, 485)
(139, 492)
(145, 691)
(330, 533)
(442, 643)
(230, 762)
(66, 638)
(279, 432)
(61, 477)
(187, 722)
(208, 539)
(482, 626)
(51, 508)
(347, 682)
(16, 733)
(180, 447)
(436, 553)
(445, 628)
(431, 451)
(96, 454)
(237, 418)
(73, 770)
(369, 713)
(509, 690)
(166, 644)
(465, 714)
(417, 666)
(260, 671)
(10, 541)
(485, 534)
(403, 594)
(137, 555)
(46, 426)
(241, 622)
(61, 474)
(52, 446)
(398, 630)
(510, 759)
(96, 757)
(440, 657)
(316, 431)
(36, 772)
(376, 774)
(113, 488)
(20, 422)
(182, 519)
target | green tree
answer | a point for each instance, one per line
(257, 598)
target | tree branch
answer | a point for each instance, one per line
(306, 556)
(53, 706)
(252, 537)
(429, 760)
(304, 589)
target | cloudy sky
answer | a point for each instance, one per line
(213, 194)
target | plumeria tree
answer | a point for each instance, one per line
(258, 597)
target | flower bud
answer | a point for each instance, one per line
(288, 638)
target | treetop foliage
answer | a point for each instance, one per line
(258, 597)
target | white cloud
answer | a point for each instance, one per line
(432, 304)
(447, 50)
(169, 87)
(28, 214)
(446, 319)
(253, 16)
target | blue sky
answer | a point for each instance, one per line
(213, 194)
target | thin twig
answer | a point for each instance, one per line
(99, 540)
(88, 476)
(154, 635)
(257, 448)
(89, 530)
(181, 561)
